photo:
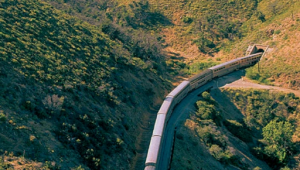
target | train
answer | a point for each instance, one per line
(181, 91)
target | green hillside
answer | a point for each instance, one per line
(71, 95)
(280, 31)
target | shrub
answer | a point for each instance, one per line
(206, 111)
(187, 20)
(277, 32)
(216, 151)
(2, 116)
(206, 95)
(223, 156)
(278, 136)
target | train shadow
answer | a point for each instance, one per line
(230, 111)
(229, 78)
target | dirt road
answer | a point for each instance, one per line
(245, 83)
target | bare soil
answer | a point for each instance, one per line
(246, 83)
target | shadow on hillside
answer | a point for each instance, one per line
(230, 110)
(173, 54)
(229, 78)
(235, 133)
(146, 18)
(176, 66)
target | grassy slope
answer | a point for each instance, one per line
(68, 89)
(232, 26)
(281, 32)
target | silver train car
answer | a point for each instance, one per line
(180, 92)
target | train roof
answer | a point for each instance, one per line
(165, 106)
(232, 61)
(199, 74)
(178, 88)
(150, 167)
(159, 125)
(153, 149)
(251, 55)
(224, 64)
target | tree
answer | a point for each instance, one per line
(278, 136)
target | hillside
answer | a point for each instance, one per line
(240, 129)
(86, 78)
(281, 32)
(71, 96)
(205, 31)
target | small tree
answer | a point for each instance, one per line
(278, 136)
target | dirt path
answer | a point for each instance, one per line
(245, 83)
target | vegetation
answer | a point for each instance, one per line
(207, 24)
(277, 67)
(266, 123)
(209, 131)
(68, 88)
(278, 136)
(77, 76)
(198, 66)
(272, 119)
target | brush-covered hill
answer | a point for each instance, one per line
(71, 96)
(224, 30)
(278, 27)
(205, 30)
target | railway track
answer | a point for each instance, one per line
(159, 152)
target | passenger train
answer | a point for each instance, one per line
(180, 92)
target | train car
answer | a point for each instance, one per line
(179, 93)
(166, 107)
(153, 152)
(225, 68)
(250, 60)
(149, 167)
(200, 79)
(160, 123)
(157, 136)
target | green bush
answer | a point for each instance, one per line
(2, 117)
(278, 136)
(216, 151)
(277, 32)
(206, 96)
(187, 20)
(224, 156)
(206, 111)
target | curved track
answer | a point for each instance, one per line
(202, 81)
(182, 111)
(186, 106)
